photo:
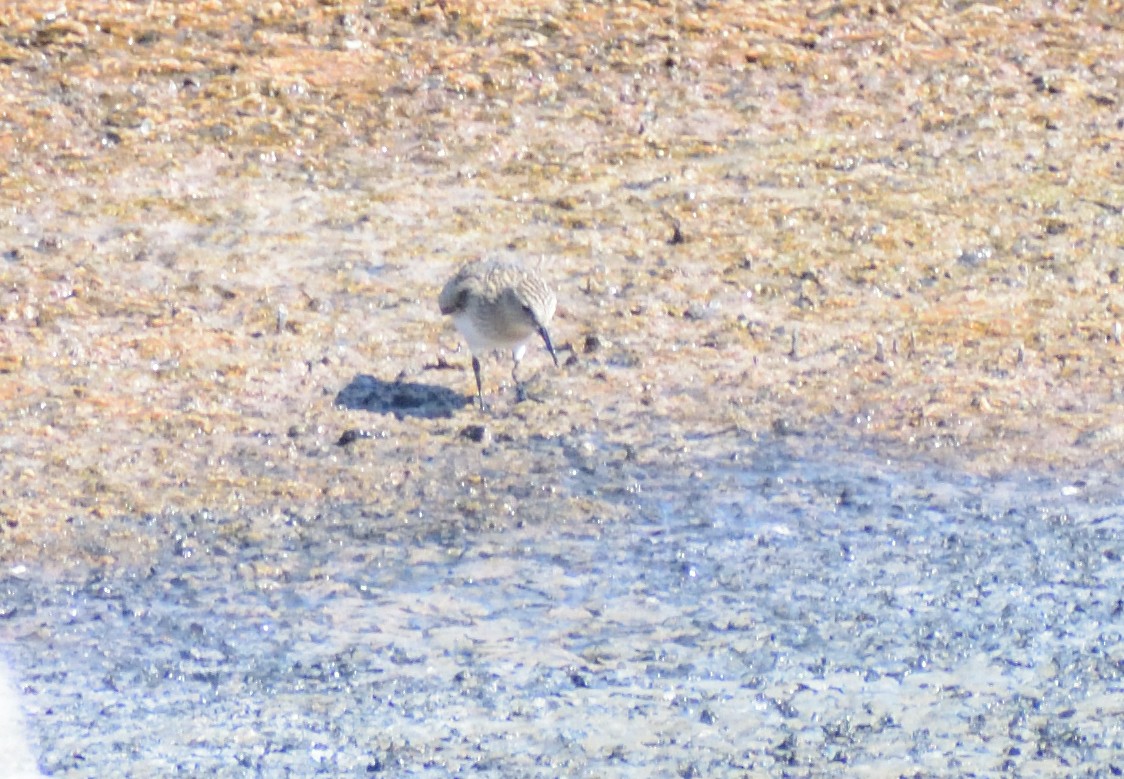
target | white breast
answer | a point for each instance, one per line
(482, 340)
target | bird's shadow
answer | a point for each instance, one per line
(400, 398)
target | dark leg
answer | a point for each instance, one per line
(520, 387)
(520, 390)
(479, 384)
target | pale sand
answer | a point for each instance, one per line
(18, 761)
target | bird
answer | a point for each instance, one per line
(496, 305)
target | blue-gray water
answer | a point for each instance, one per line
(776, 611)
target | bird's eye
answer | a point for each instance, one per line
(527, 310)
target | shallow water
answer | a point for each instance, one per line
(780, 610)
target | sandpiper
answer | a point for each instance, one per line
(499, 305)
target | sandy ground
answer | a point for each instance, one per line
(830, 229)
(216, 217)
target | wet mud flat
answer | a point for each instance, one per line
(783, 610)
(825, 483)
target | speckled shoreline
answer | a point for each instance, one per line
(791, 610)
(837, 429)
